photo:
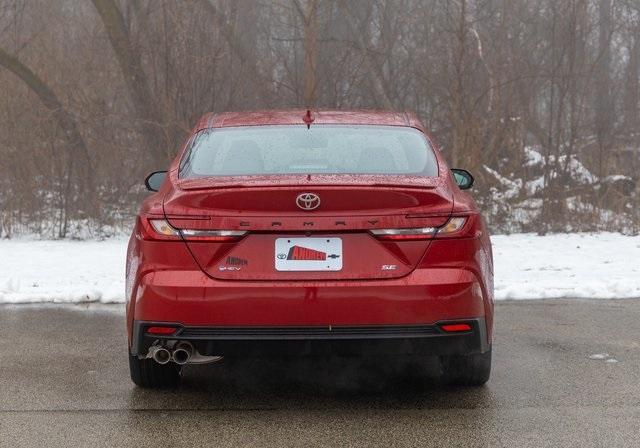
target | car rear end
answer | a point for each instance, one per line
(345, 239)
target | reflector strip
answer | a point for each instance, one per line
(453, 328)
(161, 330)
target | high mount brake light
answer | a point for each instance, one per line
(161, 229)
(452, 226)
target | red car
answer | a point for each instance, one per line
(299, 233)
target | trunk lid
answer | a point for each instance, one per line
(283, 241)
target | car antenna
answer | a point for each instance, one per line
(308, 119)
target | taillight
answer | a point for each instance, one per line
(160, 229)
(422, 233)
(452, 227)
(212, 235)
(157, 229)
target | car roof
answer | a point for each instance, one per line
(295, 116)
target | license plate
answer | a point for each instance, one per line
(308, 254)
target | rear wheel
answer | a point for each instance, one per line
(149, 374)
(466, 370)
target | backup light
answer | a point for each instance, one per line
(162, 227)
(453, 225)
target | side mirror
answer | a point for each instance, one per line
(463, 178)
(154, 180)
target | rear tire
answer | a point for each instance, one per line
(149, 374)
(466, 370)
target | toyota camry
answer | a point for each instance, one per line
(309, 233)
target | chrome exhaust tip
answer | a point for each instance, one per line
(180, 356)
(182, 352)
(160, 354)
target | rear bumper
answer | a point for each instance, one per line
(244, 318)
(191, 298)
(320, 340)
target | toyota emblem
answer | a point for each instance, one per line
(308, 201)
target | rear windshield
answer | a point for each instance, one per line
(323, 149)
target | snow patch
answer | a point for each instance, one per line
(572, 265)
(606, 357)
(512, 187)
(62, 271)
(527, 266)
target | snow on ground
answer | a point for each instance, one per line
(62, 271)
(574, 265)
(527, 266)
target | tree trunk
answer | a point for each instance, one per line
(76, 147)
(310, 54)
(373, 67)
(130, 62)
(632, 91)
(243, 52)
(604, 110)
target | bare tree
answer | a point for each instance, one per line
(539, 98)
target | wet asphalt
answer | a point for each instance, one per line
(566, 373)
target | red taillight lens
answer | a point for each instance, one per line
(456, 328)
(212, 235)
(452, 227)
(422, 233)
(160, 229)
(161, 330)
